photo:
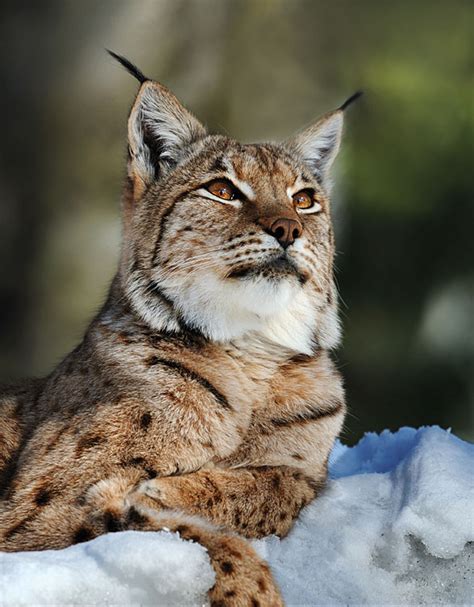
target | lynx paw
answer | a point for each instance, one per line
(110, 497)
(164, 492)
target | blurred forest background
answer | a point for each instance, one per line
(256, 69)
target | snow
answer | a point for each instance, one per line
(394, 526)
(391, 528)
(128, 568)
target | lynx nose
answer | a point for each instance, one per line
(285, 230)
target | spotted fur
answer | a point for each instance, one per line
(202, 397)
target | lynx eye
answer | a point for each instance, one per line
(222, 189)
(303, 199)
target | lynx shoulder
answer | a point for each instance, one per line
(202, 397)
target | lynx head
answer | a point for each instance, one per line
(226, 238)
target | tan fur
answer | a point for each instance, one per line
(202, 397)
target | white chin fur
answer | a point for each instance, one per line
(225, 309)
(258, 295)
(280, 311)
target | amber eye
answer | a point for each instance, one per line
(303, 199)
(222, 189)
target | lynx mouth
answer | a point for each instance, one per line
(276, 268)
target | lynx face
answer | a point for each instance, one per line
(226, 238)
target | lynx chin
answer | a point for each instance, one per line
(202, 398)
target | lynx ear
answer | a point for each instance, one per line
(159, 131)
(319, 143)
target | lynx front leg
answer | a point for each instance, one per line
(254, 502)
(242, 578)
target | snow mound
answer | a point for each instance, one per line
(394, 526)
(127, 568)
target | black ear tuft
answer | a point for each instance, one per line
(128, 65)
(351, 99)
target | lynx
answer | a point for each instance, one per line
(202, 398)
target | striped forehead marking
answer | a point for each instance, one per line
(243, 186)
(299, 184)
